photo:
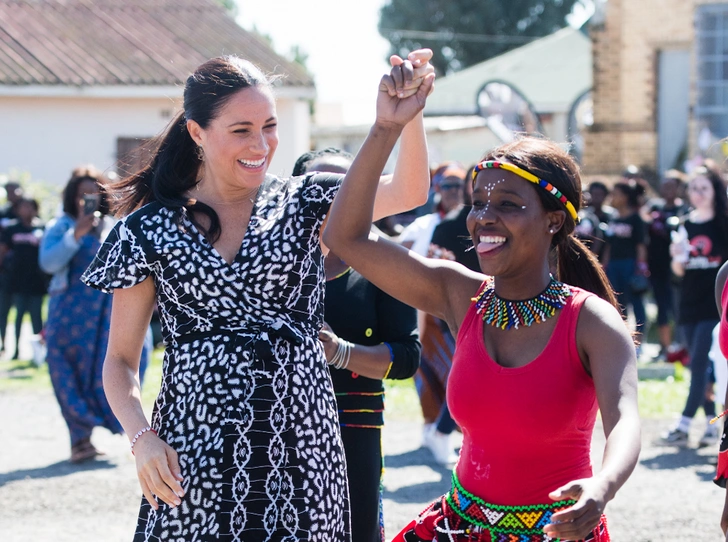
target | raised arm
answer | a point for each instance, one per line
(408, 186)
(606, 345)
(438, 287)
(157, 465)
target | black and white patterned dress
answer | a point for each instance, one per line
(246, 399)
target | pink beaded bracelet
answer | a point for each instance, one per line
(139, 434)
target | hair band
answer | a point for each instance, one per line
(489, 164)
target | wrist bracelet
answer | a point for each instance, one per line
(342, 356)
(139, 434)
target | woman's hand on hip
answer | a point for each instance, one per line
(577, 521)
(330, 341)
(158, 470)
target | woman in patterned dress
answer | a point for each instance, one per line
(247, 445)
(528, 376)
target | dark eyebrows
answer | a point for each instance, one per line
(248, 123)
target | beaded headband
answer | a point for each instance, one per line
(489, 164)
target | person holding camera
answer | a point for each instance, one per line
(77, 329)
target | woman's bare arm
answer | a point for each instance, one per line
(606, 345)
(157, 464)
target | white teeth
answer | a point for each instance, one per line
(251, 163)
(492, 239)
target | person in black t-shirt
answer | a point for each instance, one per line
(26, 282)
(665, 217)
(594, 218)
(13, 193)
(368, 336)
(625, 256)
(698, 250)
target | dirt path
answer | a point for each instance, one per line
(43, 498)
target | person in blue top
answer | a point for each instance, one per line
(77, 328)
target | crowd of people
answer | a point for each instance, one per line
(283, 307)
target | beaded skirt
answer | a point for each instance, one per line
(460, 516)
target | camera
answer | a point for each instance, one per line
(90, 203)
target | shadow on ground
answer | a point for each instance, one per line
(55, 470)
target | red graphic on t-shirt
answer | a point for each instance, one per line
(701, 245)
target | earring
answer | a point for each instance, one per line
(200, 153)
(551, 230)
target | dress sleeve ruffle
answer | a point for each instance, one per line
(119, 263)
(319, 190)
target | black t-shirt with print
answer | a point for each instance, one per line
(24, 275)
(623, 235)
(658, 249)
(709, 249)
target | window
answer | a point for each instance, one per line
(711, 110)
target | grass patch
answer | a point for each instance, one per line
(662, 398)
(22, 375)
(152, 378)
(401, 400)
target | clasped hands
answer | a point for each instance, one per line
(403, 93)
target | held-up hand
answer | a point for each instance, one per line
(158, 470)
(576, 522)
(398, 102)
(330, 341)
(86, 223)
(420, 60)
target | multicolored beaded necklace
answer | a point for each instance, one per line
(507, 314)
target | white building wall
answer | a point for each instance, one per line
(47, 137)
(294, 134)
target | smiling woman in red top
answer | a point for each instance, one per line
(528, 376)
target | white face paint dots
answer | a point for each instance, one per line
(488, 191)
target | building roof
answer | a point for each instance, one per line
(124, 42)
(551, 72)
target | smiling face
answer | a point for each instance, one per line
(239, 143)
(509, 226)
(701, 193)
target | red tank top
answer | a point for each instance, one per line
(723, 329)
(527, 430)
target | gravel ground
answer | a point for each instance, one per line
(44, 498)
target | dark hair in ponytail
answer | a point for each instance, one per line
(577, 265)
(173, 166)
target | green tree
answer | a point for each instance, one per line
(230, 5)
(299, 56)
(464, 32)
